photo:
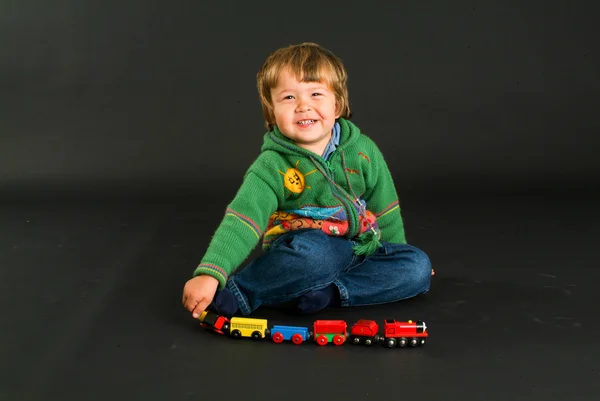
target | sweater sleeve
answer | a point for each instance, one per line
(241, 228)
(382, 200)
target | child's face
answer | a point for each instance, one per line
(305, 112)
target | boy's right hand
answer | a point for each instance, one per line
(198, 293)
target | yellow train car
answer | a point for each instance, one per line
(248, 327)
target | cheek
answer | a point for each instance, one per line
(282, 114)
(277, 115)
(330, 110)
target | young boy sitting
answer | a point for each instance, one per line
(321, 198)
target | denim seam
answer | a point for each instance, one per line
(344, 297)
(343, 293)
(242, 303)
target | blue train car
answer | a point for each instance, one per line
(296, 334)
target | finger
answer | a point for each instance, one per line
(200, 307)
(191, 303)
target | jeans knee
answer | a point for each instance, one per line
(422, 268)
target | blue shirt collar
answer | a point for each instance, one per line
(333, 142)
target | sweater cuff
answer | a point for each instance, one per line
(212, 270)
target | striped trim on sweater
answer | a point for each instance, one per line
(391, 207)
(246, 221)
(213, 269)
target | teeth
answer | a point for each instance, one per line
(304, 122)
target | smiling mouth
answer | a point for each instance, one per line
(305, 122)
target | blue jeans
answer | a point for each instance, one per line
(305, 260)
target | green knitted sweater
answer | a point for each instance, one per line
(286, 188)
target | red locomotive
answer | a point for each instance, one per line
(395, 333)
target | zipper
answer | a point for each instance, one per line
(340, 194)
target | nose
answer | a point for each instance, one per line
(302, 106)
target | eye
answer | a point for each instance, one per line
(288, 97)
(317, 94)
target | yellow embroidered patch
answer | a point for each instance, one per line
(294, 180)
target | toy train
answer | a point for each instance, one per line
(365, 332)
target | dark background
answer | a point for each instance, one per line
(126, 127)
(145, 94)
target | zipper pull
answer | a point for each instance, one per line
(329, 166)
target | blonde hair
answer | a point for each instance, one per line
(310, 62)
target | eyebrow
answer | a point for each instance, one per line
(312, 87)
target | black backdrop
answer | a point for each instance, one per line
(147, 94)
(109, 97)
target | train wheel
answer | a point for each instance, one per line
(338, 339)
(402, 342)
(236, 334)
(368, 342)
(277, 338)
(225, 327)
(297, 339)
(414, 342)
(390, 342)
(356, 340)
(256, 335)
(321, 340)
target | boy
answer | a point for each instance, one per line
(322, 199)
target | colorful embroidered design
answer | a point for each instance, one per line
(294, 180)
(335, 228)
(298, 224)
(364, 156)
(320, 212)
(332, 221)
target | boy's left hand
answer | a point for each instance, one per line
(198, 293)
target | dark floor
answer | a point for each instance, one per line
(91, 294)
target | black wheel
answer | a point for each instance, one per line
(402, 342)
(390, 342)
(356, 340)
(226, 327)
(368, 342)
(414, 342)
(236, 334)
(256, 335)
(422, 341)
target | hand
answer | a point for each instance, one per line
(198, 293)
